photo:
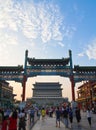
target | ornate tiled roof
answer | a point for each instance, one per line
(35, 62)
(78, 68)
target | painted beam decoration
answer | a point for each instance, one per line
(36, 67)
(17, 78)
(11, 73)
(44, 70)
(82, 77)
(84, 73)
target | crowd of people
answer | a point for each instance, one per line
(16, 118)
(66, 114)
(13, 119)
(8, 119)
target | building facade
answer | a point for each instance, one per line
(48, 93)
(6, 95)
(86, 95)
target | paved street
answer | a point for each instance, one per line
(84, 123)
(49, 124)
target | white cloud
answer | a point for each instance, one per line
(91, 50)
(81, 54)
(61, 44)
(6, 39)
(30, 20)
(7, 16)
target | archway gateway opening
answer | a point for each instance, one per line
(34, 67)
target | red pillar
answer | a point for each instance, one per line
(71, 76)
(72, 88)
(24, 88)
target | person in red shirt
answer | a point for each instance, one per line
(5, 123)
(12, 121)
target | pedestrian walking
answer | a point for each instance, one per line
(78, 115)
(32, 115)
(58, 115)
(39, 113)
(70, 113)
(89, 114)
(65, 116)
(43, 113)
(22, 120)
(12, 121)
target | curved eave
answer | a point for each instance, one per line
(84, 68)
(11, 68)
(36, 62)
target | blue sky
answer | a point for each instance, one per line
(48, 29)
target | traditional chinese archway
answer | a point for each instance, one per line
(62, 67)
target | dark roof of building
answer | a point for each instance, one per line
(85, 68)
(35, 62)
(11, 68)
(47, 83)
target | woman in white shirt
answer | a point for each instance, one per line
(88, 112)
